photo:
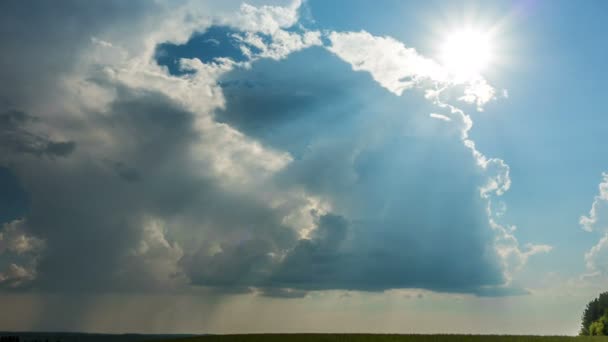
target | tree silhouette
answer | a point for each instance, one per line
(9, 339)
(596, 312)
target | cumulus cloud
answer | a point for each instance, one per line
(398, 68)
(14, 239)
(264, 19)
(392, 64)
(479, 92)
(155, 258)
(597, 221)
(281, 45)
(270, 174)
(21, 251)
(596, 258)
(513, 257)
(350, 165)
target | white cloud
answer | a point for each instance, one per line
(282, 43)
(264, 19)
(24, 249)
(440, 117)
(597, 219)
(15, 275)
(101, 42)
(393, 65)
(397, 67)
(479, 92)
(14, 239)
(596, 259)
(272, 22)
(155, 258)
(514, 258)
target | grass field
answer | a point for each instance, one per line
(382, 338)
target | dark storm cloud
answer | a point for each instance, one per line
(42, 40)
(283, 293)
(244, 263)
(127, 173)
(380, 256)
(86, 214)
(315, 262)
(62, 148)
(13, 198)
(15, 137)
(77, 204)
(92, 222)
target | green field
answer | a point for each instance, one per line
(382, 338)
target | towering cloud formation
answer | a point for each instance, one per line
(266, 163)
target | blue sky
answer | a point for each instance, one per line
(332, 163)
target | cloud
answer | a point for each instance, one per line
(479, 92)
(101, 42)
(596, 258)
(20, 251)
(15, 240)
(597, 221)
(217, 43)
(282, 43)
(155, 259)
(391, 64)
(283, 293)
(344, 149)
(281, 173)
(398, 68)
(15, 137)
(230, 45)
(265, 19)
(13, 198)
(148, 228)
(440, 117)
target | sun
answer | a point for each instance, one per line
(466, 53)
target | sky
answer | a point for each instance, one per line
(302, 166)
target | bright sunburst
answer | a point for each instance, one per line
(466, 53)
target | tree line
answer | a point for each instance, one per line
(9, 339)
(595, 317)
(14, 338)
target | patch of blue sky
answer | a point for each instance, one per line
(215, 42)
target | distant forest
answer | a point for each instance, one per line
(15, 338)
